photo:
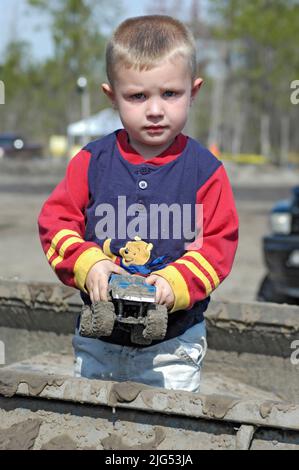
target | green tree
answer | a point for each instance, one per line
(78, 28)
(42, 97)
(262, 37)
(17, 72)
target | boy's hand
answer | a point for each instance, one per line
(164, 293)
(98, 277)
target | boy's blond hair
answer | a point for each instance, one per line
(143, 41)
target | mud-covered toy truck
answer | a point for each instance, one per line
(131, 305)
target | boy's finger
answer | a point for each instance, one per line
(163, 300)
(95, 295)
(118, 270)
(103, 289)
(158, 295)
(151, 280)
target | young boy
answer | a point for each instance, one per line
(106, 216)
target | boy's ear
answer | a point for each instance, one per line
(196, 87)
(108, 90)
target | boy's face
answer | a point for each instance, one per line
(153, 104)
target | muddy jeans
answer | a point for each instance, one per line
(173, 364)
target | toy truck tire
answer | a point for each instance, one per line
(85, 328)
(103, 318)
(137, 335)
(156, 322)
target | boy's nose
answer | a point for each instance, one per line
(154, 108)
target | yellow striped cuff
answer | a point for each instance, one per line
(198, 273)
(178, 285)
(59, 235)
(70, 241)
(83, 264)
(205, 264)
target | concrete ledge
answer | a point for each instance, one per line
(133, 396)
(253, 327)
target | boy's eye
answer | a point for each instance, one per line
(169, 93)
(138, 96)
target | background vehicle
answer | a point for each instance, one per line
(14, 145)
(281, 253)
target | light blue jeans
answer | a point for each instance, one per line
(173, 364)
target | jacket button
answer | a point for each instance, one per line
(142, 184)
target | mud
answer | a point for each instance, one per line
(275, 375)
(216, 406)
(9, 382)
(156, 323)
(124, 392)
(63, 442)
(22, 343)
(100, 319)
(97, 320)
(78, 413)
(69, 431)
(145, 418)
(85, 328)
(103, 318)
(151, 441)
(20, 436)
(267, 408)
(45, 381)
(249, 385)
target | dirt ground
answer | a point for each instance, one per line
(23, 190)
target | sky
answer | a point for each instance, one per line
(15, 22)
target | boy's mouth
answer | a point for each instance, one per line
(155, 128)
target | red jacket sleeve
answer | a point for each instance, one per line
(62, 226)
(208, 260)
